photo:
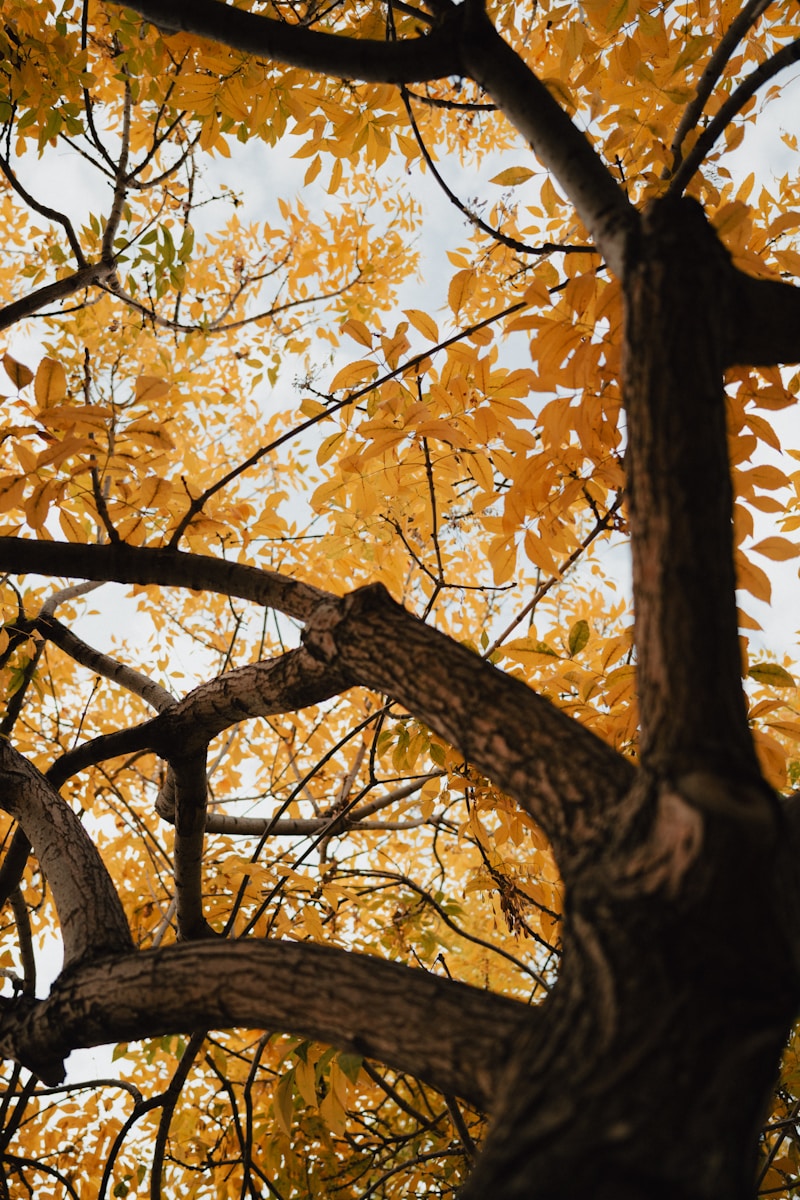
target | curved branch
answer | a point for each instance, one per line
(263, 689)
(559, 771)
(103, 664)
(454, 1037)
(557, 142)
(415, 61)
(89, 911)
(476, 221)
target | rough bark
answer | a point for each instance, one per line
(455, 1037)
(660, 1045)
(170, 568)
(679, 303)
(90, 914)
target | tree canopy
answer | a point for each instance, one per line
(389, 852)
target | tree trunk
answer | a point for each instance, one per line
(679, 984)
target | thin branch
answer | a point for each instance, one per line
(716, 65)
(735, 103)
(497, 234)
(335, 824)
(120, 190)
(103, 664)
(557, 142)
(44, 210)
(351, 398)
(600, 526)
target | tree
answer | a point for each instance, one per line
(613, 801)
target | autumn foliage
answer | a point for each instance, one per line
(250, 368)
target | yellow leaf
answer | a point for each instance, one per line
(354, 372)
(17, 372)
(50, 386)
(777, 548)
(313, 170)
(328, 447)
(358, 331)
(311, 408)
(151, 387)
(336, 177)
(423, 323)
(752, 579)
(462, 285)
(503, 557)
(549, 197)
(536, 292)
(512, 176)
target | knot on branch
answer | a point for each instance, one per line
(318, 635)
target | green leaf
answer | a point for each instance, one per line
(350, 1064)
(578, 637)
(772, 674)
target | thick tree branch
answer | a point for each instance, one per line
(293, 681)
(562, 774)
(415, 61)
(454, 1037)
(557, 142)
(191, 799)
(677, 332)
(169, 568)
(465, 43)
(89, 911)
(766, 322)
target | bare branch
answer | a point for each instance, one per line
(415, 61)
(51, 293)
(90, 914)
(454, 1037)
(334, 825)
(716, 65)
(734, 104)
(169, 568)
(103, 664)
